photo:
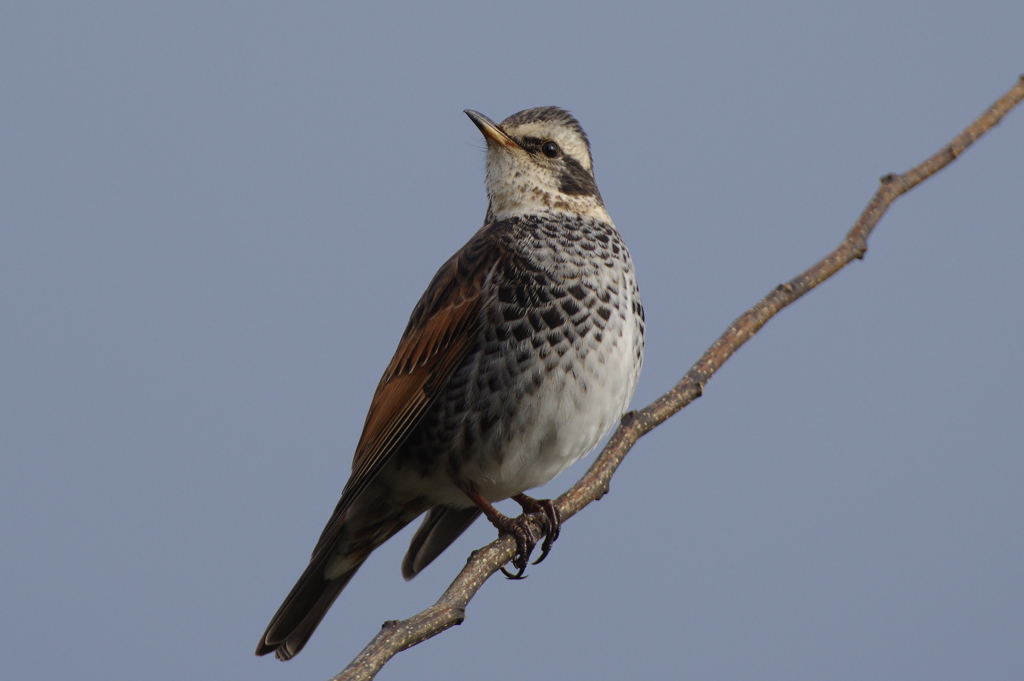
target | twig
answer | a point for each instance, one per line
(450, 609)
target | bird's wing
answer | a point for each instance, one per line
(440, 333)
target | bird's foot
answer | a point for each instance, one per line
(545, 511)
(522, 531)
(542, 511)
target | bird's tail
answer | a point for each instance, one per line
(302, 611)
(439, 529)
(327, 574)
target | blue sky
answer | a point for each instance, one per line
(216, 218)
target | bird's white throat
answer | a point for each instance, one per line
(517, 187)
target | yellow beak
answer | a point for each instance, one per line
(492, 133)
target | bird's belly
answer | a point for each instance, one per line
(559, 431)
(576, 405)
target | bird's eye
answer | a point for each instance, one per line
(550, 149)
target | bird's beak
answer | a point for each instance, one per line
(492, 133)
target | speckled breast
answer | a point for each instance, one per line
(553, 367)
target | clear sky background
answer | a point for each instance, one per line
(215, 219)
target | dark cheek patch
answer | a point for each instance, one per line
(576, 181)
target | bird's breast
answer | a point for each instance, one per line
(556, 362)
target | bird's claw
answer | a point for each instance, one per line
(522, 532)
(542, 511)
(546, 514)
(551, 522)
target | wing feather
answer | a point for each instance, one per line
(441, 331)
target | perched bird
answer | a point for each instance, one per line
(521, 355)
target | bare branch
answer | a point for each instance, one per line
(450, 609)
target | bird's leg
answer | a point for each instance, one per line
(547, 512)
(519, 528)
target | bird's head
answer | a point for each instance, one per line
(538, 161)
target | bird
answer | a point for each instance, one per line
(521, 355)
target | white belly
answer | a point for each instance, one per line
(564, 420)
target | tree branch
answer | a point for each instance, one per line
(450, 610)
